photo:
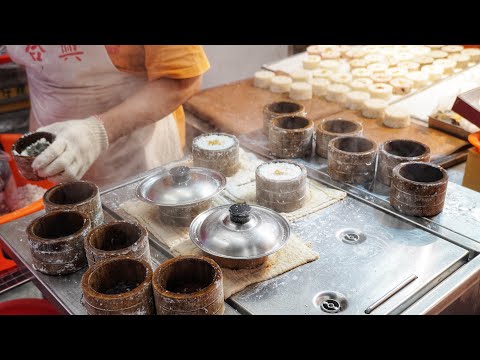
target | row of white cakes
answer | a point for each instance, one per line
(398, 81)
(394, 53)
(381, 71)
(371, 98)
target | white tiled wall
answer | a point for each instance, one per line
(235, 62)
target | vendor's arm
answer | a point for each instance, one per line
(174, 73)
(154, 101)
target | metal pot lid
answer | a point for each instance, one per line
(181, 186)
(239, 231)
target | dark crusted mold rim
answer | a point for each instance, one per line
(320, 127)
(399, 167)
(34, 237)
(412, 158)
(178, 296)
(145, 283)
(89, 237)
(371, 151)
(49, 192)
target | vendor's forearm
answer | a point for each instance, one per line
(154, 101)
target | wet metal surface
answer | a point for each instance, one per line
(458, 294)
(458, 222)
(388, 250)
(362, 273)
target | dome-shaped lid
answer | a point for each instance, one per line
(239, 231)
(181, 186)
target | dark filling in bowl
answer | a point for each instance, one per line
(27, 140)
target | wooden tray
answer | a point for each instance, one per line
(237, 108)
(448, 128)
(440, 143)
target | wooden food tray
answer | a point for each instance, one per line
(236, 108)
(440, 143)
(448, 128)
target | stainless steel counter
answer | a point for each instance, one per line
(458, 294)
(63, 291)
(395, 249)
(455, 173)
(389, 251)
(458, 222)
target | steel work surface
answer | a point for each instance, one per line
(64, 291)
(391, 251)
(458, 222)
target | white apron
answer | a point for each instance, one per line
(69, 82)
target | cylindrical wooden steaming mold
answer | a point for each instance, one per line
(418, 189)
(394, 152)
(291, 137)
(56, 242)
(328, 130)
(218, 152)
(82, 196)
(118, 286)
(118, 238)
(281, 185)
(352, 159)
(188, 285)
(278, 109)
(24, 162)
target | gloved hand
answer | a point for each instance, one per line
(77, 145)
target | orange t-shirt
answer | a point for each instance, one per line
(157, 61)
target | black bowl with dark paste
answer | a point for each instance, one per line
(27, 148)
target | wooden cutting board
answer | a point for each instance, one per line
(237, 108)
(440, 143)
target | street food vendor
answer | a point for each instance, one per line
(115, 109)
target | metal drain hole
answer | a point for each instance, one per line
(331, 306)
(351, 236)
(330, 302)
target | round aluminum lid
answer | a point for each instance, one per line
(181, 186)
(239, 231)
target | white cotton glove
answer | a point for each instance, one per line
(77, 145)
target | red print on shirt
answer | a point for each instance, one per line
(35, 52)
(70, 51)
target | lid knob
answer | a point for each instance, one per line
(180, 174)
(240, 213)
